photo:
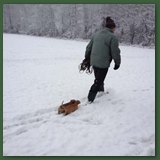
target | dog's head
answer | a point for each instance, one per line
(78, 102)
(72, 101)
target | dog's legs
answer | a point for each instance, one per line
(65, 113)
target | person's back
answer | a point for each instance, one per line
(101, 48)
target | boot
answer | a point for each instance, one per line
(91, 96)
(101, 88)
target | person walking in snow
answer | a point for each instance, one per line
(102, 48)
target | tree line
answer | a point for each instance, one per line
(135, 23)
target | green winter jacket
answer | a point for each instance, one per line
(102, 48)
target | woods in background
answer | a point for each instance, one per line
(135, 23)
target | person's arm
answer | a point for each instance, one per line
(89, 49)
(115, 52)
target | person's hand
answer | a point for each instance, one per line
(116, 67)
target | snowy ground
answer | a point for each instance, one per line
(40, 73)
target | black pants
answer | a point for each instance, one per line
(100, 74)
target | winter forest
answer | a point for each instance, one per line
(135, 23)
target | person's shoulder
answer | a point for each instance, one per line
(111, 36)
(96, 34)
(114, 37)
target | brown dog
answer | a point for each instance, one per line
(68, 107)
(61, 108)
(72, 107)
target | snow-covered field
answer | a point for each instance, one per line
(40, 73)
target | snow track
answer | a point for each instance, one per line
(40, 73)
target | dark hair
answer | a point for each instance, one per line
(110, 23)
